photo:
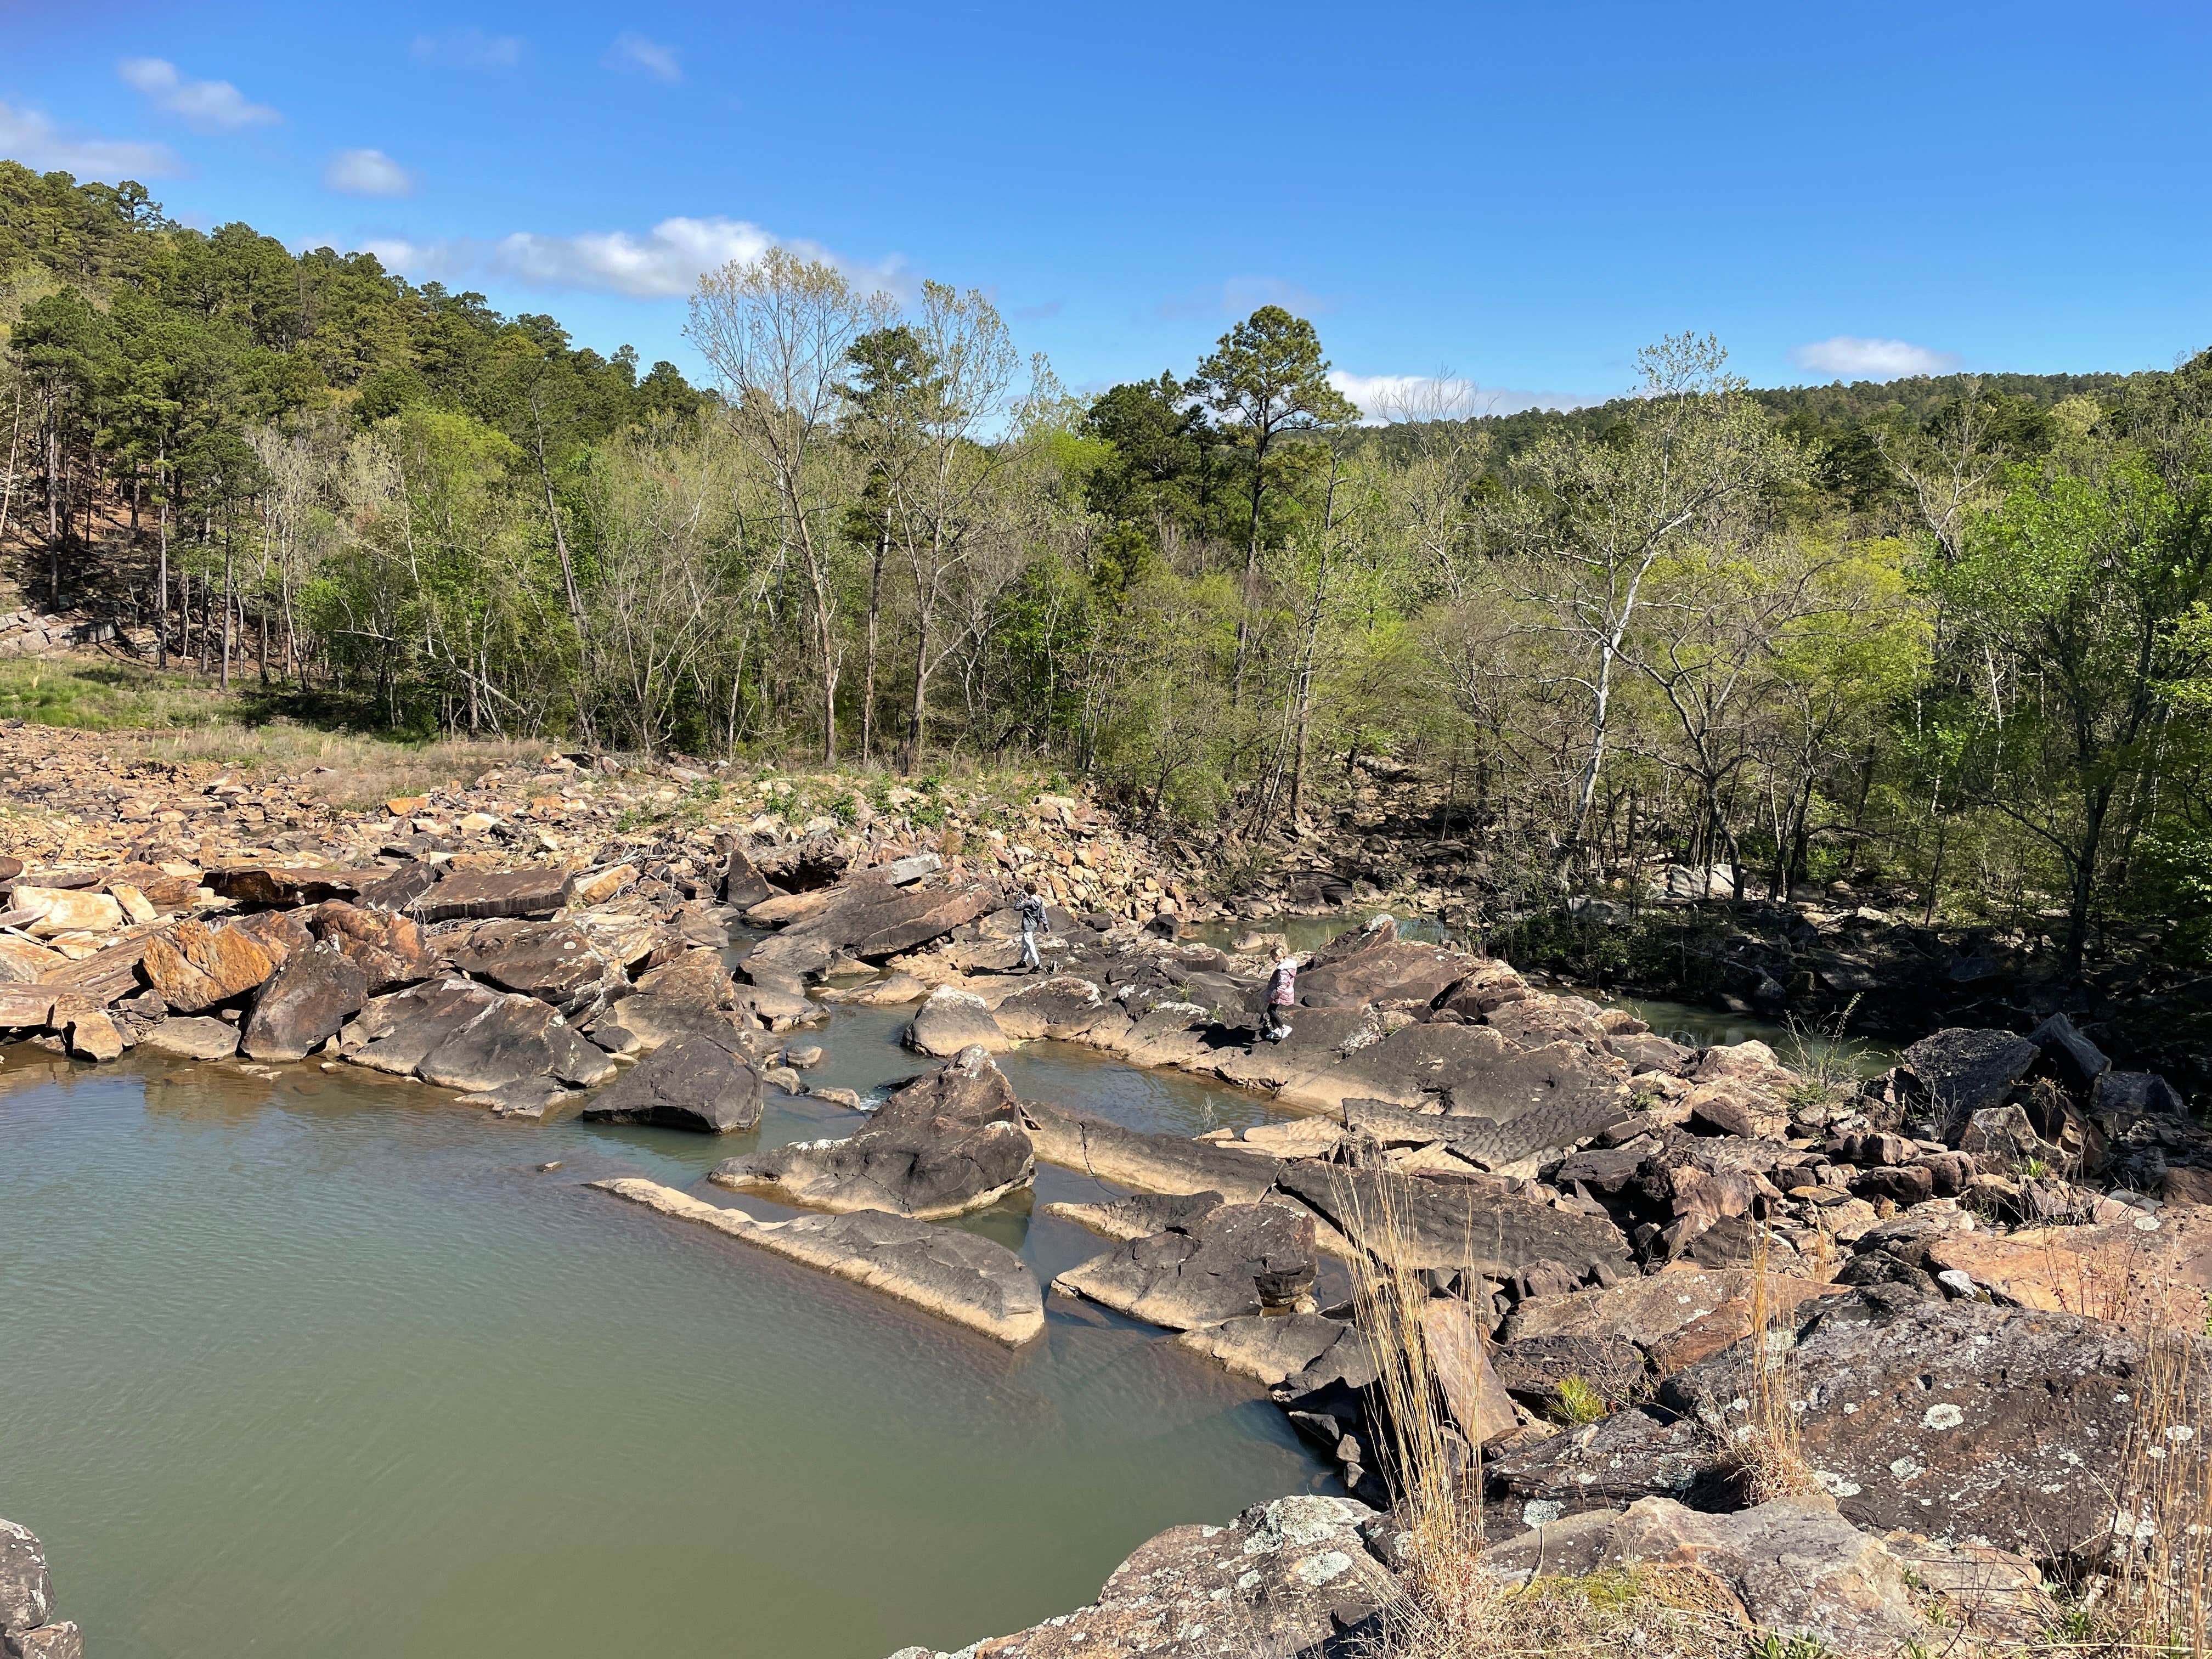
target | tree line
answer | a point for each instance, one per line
(1949, 634)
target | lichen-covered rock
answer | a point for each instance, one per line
(1796, 1568)
(1630, 1454)
(1959, 1419)
(1287, 1580)
(26, 1590)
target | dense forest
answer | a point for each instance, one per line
(1952, 632)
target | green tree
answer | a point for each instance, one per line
(1267, 380)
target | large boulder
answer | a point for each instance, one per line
(938, 1151)
(954, 1274)
(1959, 1072)
(639, 1024)
(1967, 1422)
(869, 918)
(739, 883)
(196, 967)
(952, 1020)
(514, 1039)
(696, 1083)
(1230, 1260)
(1383, 971)
(1796, 1568)
(548, 960)
(303, 1003)
(387, 946)
(1292, 1579)
(1064, 1005)
(394, 1032)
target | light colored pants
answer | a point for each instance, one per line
(1030, 957)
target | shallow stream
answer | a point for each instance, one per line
(320, 1364)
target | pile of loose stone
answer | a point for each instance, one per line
(1944, 1250)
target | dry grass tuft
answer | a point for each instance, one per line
(1636, 1612)
(1765, 1447)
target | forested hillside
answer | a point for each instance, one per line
(1951, 633)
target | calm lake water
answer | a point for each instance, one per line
(319, 1364)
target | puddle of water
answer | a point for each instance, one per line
(319, 1364)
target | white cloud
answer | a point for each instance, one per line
(1848, 356)
(633, 50)
(366, 173)
(210, 105)
(468, 48)
(1382, 397)
(30, 137)
(664, 264)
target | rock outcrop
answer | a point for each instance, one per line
(943, 1146)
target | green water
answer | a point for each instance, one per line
(321, 1364)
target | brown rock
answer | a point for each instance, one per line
(387, 947)
(196, 967)
(538, 892)
(2151, 1267)
(1477, 1401)
(56, 910)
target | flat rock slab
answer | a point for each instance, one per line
(1269, 1348)
(1140, 1216)
(1229, 1261)
(1150, 1162)
(1471, 1223)
(2148, 1267)
(1286, 1580)
(871, 918)
(1546, 1127)
(697, 1083)
(484, 893)
(953, 1274)
(1642, 1309)
(191, 1038)
(1966, 1422)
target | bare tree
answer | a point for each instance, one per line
(777, 331)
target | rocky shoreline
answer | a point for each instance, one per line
(1974, 1261)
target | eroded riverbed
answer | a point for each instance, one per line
(319, 1363)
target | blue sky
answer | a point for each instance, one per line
(1516, 195)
